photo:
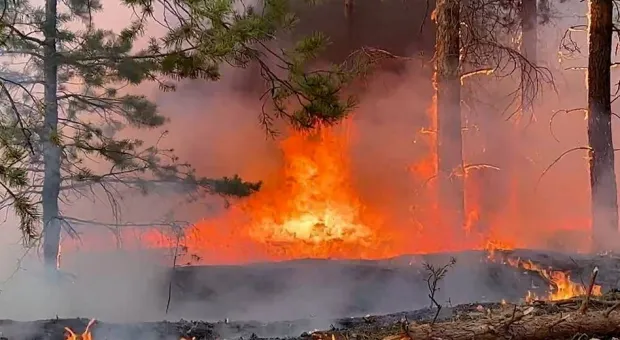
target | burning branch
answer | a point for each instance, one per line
(435, 275)
(555, 161)
(484, 71)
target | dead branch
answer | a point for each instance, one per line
(584, 305)
(558, 159)
(489, 30)
(435, 275)
(612, 308)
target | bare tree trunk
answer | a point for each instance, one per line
(51, 149)
(518, 132)
(348, 9)
(602, 170)
(449, 125)
(529, 42)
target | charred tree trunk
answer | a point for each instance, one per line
(529, 41)
(449, 125)
(49, 136)
(602, 170)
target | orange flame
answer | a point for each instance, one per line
(86, 335)
(310, 209)
(314, 203)
(560, 285)
(313, 207)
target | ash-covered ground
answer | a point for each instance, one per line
(287, 299)
(199, 330)
(327, 289)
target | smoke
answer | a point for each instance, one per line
(215, 127)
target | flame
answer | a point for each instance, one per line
(310, 209)
(86, 335)
(313, 209)
(312, 204)
(560, 285)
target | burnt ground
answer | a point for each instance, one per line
(323, 290)
(355, 327)
(327, 294)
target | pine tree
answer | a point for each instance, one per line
(449, 120)
(214, 32)
(529, 43)
(64, 100)
(602, 163)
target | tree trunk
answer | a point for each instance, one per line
(449, 126)
(529, 41)
(543, 327)
(602, 170)
(51, 149)
(348, 9)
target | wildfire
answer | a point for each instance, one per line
(311, 205)
(310, 209)
(315, 202)
(560, 285)
(86, 335)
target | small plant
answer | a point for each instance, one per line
(434, 276)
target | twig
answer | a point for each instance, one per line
(514, 318)
(178, 234)
(559, 321)
(612, 308)
(584, 304)
(558, 159)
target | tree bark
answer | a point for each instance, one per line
(51, 149)
(543, 327)
(529, 42)
(449, 125)
(604, 198)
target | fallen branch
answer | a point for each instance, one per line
(584, 304)
(528, 326)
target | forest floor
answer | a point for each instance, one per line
(512, 318)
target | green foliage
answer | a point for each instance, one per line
(231, 32)
(15, 182)
(96, 67)
(235, 186)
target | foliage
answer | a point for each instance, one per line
(202, 35)
(97, 111)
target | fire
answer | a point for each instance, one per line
(86, 335)
(560, 285)
(310, 209)
(315, 203)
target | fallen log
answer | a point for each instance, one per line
(520, 326)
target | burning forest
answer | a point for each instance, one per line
(357, 169)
